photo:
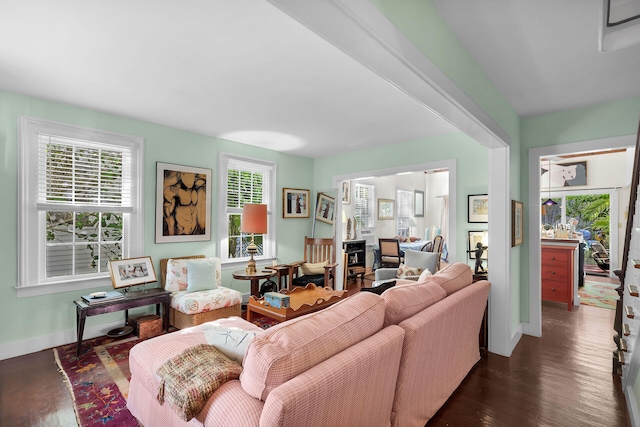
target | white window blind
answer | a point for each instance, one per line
(80, 205)
(364, 205)
(247, 181)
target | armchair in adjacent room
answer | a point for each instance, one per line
(318, 266)
(414, 262)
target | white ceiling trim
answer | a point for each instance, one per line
(388, 53)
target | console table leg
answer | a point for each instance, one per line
(81, 317)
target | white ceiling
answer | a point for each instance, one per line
(245, 71)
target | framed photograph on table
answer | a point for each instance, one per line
(183, 203)
(325, 208)
(132, 271)
(295, 203)
(478, 208)
(418, 203)
(517, 223)
(386, 209)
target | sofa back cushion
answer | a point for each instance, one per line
(453, 277)
(404, 301)
(290, 348)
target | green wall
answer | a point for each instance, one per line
(49, 314)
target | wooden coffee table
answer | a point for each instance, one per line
(302, 301)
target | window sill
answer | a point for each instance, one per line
(60, 287)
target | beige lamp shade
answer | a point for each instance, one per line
(254, 219)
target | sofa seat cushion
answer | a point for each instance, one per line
(403, 301)
(285, 350)
(454, 277)
(146, 357)
(201, 301)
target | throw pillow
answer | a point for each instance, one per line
(230, 341)
(423, 276)
(201, 274)
(189, 379)
(309, 268)
(406, 271)
(176, 279)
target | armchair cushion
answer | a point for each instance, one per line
(201, 274)
(386, 273)
(308, 268)
(201, 301)
(177, 278)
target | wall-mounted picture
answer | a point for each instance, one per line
(478, 208)
(517, 223)
(476, 237)
(386, 209)
(295, 203)
(325, 208)
(566, 174)
(418, 203)
(132, 271)
(183, 203)
(346, 192)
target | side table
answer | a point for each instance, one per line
(156, 296)
(254, 277)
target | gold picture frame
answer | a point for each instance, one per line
(517, 223)
(295, 203)
(386, 209)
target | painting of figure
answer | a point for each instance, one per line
(563, 174)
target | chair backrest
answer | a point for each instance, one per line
(599, 249)
(389, 247)
(438, 243)
(319, 250)
(163, 266)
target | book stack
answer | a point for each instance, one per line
(102, 297)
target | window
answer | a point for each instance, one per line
(245, 181)
(404, 206)
(364, 205)
(80, 205)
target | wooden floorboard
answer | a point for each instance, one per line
(561, 379)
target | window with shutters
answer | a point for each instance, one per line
(364, 205)
(246, 181)
(80, 203)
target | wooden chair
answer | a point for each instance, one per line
(316, 251)
(600, 255)
(389, 252)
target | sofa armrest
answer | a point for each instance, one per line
(386, 273)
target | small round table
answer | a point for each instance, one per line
(254, 277)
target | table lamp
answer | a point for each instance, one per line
(254, 221)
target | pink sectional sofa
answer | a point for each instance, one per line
(368, 360)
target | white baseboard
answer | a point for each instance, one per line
(32, 345)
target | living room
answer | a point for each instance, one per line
(491, 156)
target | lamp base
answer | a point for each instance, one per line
(251, 265)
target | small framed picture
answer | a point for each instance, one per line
(517, 223)
(418, 203)
(325, 208)
(132, 271)
(295, 203)
(478, 208)
(346, 192)
(386, 209)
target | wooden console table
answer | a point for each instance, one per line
(134, 299)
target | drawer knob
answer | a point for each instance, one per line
(553, 289)
(553, 272)
(553, 258)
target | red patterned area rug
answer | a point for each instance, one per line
(99, 379)
(598, 294)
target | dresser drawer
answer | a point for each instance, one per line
(552, 257)
(554, 291)
(555, 273)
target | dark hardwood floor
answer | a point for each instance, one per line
(561, 379)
